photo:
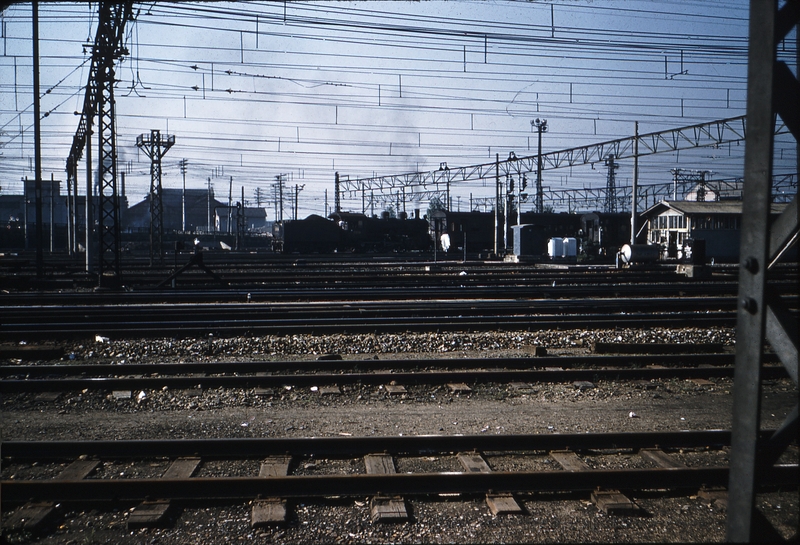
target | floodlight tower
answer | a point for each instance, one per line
(611, 186)
(541, 126)
(155, 147)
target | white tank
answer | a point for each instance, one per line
(555, 247)
(570, 246)
(639, 253)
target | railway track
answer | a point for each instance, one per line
(110, 377)
(298, 291)
(143, 479)
(587, 462)
(143, 320)
(255, 271)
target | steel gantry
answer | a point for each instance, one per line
(713, 133)
(155, 147)
(784, 188)
(99, 101)
(762, 315)
(695, 177)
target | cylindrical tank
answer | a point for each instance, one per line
(555, 247)
(640, 253)
(570, 246)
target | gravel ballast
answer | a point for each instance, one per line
(664, 405)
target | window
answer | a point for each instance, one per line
(726, 222)
(702, 223)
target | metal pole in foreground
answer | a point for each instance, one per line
(183, 195)
(541, 126)
(496, 202)
(635, 188)
(761, 316)
(37, 138)
(89, 239)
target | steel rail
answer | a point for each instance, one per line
(255, 278)
(438, 280)
(356, 311)
(9, 386)
(392, 290)
(242, 488)
(341, 264)
(278, 326)
(312, 314)
(525, 363)
(609, 304)
(239, 448)
(334, 292)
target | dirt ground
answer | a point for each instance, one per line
(665, 405)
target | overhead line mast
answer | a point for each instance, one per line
(155, 146)
(99, 101)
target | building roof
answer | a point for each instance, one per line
(691, 208)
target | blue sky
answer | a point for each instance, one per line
(253, 90)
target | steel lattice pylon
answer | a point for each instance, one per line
(611, 185)
(155, 147)
(99, 101)
(108, 217)
(108, 48)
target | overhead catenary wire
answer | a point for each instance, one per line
(386, 45)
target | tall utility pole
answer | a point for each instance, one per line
(635, 188)
(506, 192)
(496, 203)
(208, 199)
(89, 235)
(37, 138)
(611, 186)
(279, 200)
(52, 205)
(541, 126)
(337, 207)
(297, 190)
(241, 222)
(183, 164)
(155, 147)
(230, 204)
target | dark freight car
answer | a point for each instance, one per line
(474, 228)
(350, 232)
(364, 234)
(604, 234)
(313, 235)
